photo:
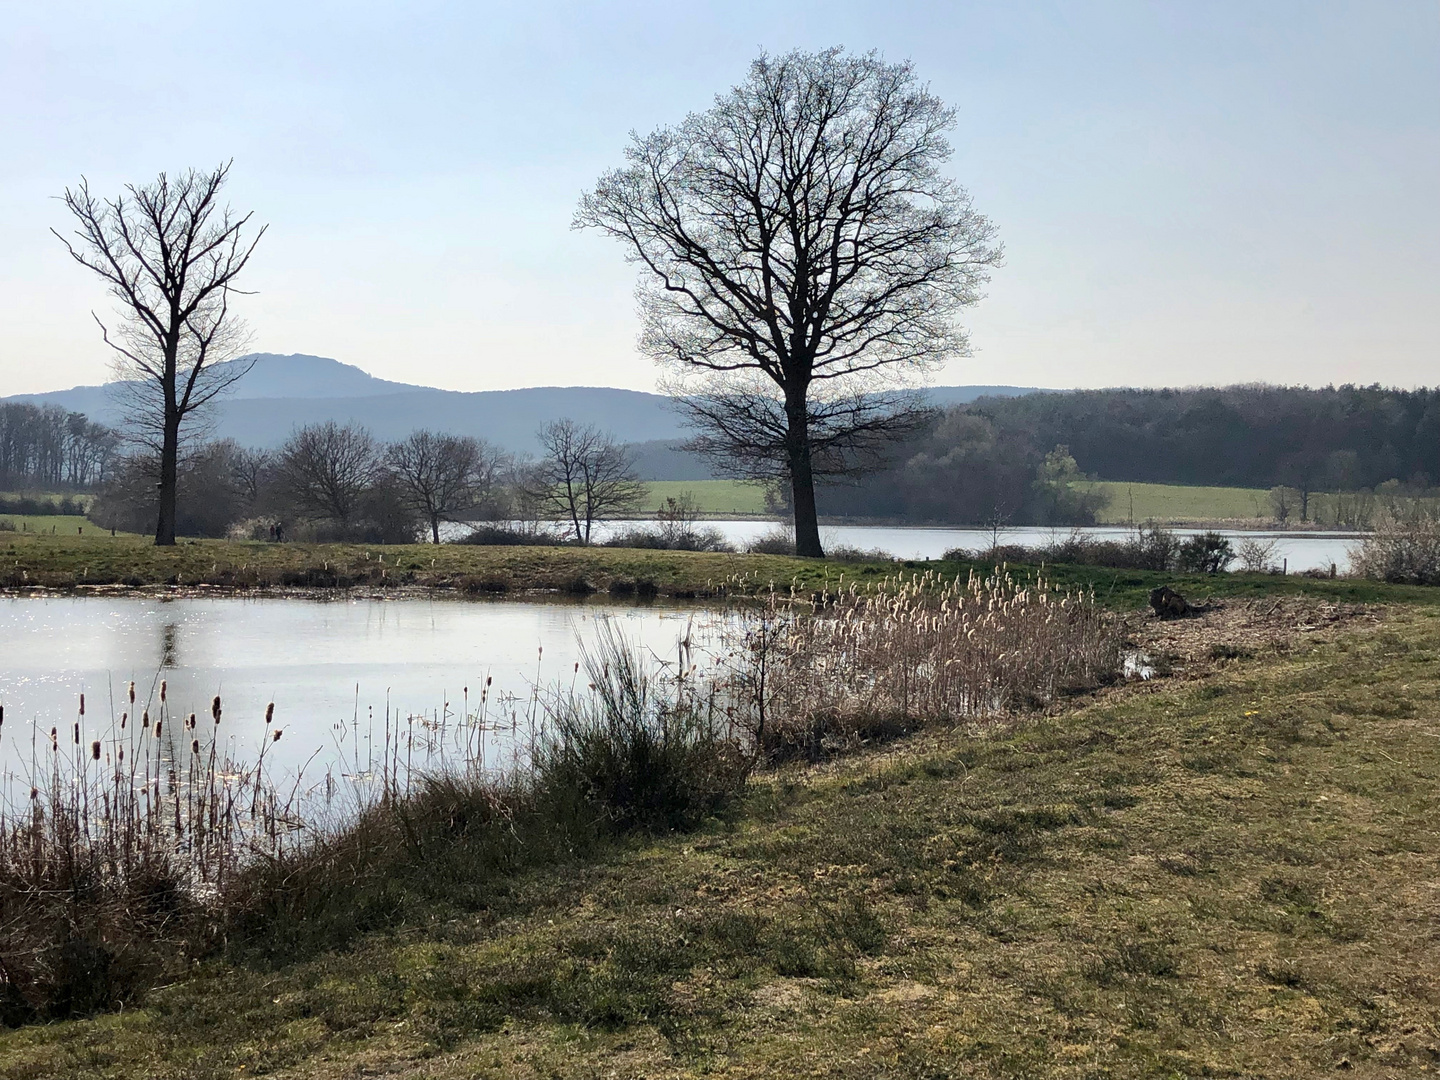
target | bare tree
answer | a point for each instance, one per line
(327, 469)
(585, 477)
(250, 472)
(170, 253)
(803, 256)
(442, 476)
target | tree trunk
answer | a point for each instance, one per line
(435, 527)
(802, 484)
(169, 475)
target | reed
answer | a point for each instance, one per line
(812, 673)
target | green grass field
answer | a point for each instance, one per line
(1227, 872)
(52, 524)
(1176, 503)
(720, 498)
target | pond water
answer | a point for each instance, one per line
(335, 669)
(1298, 550)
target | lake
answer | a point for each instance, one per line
(1302, 550)
(335, 669)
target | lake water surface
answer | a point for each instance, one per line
(335, 669)
(1300, 550)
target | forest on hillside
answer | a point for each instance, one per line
(1021, 458)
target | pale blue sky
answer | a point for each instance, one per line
(1189, 193)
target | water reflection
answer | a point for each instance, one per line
(342, 673)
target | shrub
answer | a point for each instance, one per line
(661, 539)
(1205, 553)
(778, 540)
(1401, 551)
(502, 534)
(1257, 556)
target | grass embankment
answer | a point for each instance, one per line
(1174, 504)
(1227, 872)
(67, 562)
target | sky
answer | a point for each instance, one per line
(1188, 193)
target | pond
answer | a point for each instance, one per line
(336, 670)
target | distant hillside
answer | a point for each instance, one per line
(281, 393)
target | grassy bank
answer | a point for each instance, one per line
(1221, 873)
(70, 562)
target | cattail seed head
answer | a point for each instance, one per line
(123, 718)
(77, 733)
(131, 691)
(162, 689)
(54, 739)
(215, 708)
(157, 729)
(82, 704)
(191, 722)
(95, 750)
(270, 712)
(34, 794)
(275, 736)
(195, 746)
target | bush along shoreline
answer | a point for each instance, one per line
(136, 850)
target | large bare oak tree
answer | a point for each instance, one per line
(805, 256)
(170, 253)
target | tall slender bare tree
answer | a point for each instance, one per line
(170, 253)
(804, 255)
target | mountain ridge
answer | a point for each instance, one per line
(282, 392)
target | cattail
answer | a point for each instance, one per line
(123, 718)
(190, 723)
(195, 746)
(131, 691)
(215, 708)
(275, 735)
(120, 755)
(82, 704)
(157, 727)
(54, 739)
(162, 689)
(34, 794)
(95, 750)
(269, 712)
(77, 729)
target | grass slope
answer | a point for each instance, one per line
(1178, 503)
(1227, 873)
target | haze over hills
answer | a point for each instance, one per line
(281, 393)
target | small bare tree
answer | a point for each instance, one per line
(170, 253)
(442, 476)
(804, 257)
(326, 470)
(584, 478)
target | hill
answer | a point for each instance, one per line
(281, 393)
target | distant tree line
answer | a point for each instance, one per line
(47, 448)
(1006, 457)
(333, 482)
